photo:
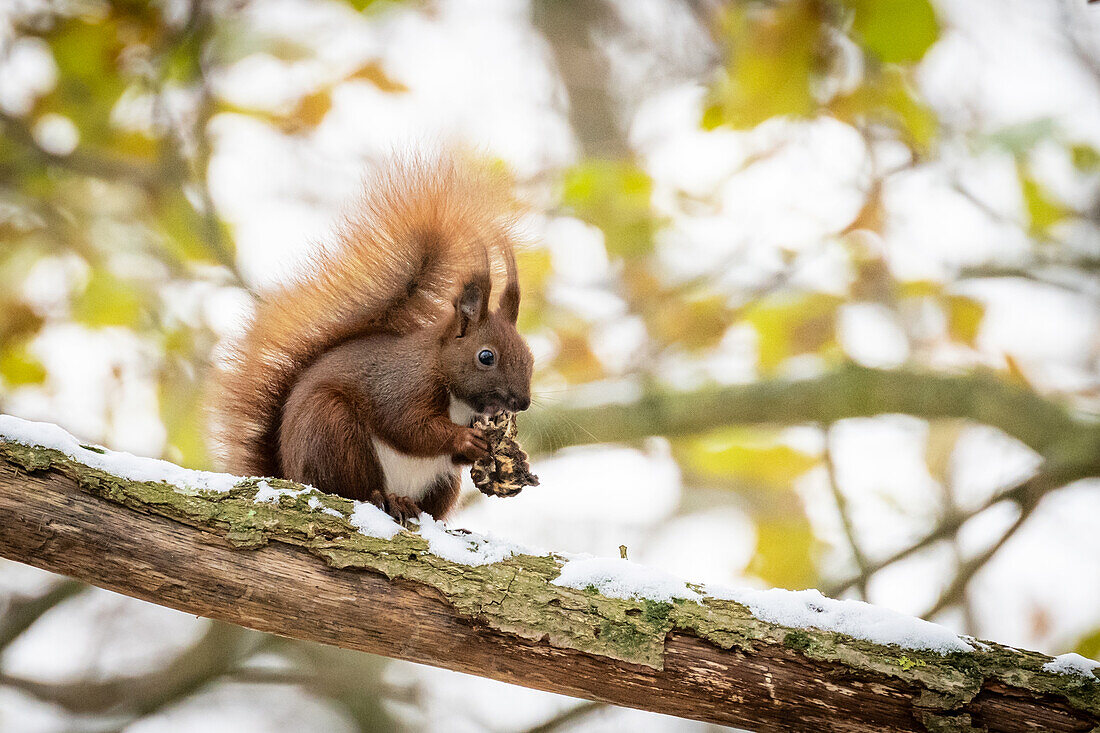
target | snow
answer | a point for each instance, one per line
(125, 465)
(1073, 664)
(610, 576)
(618, 578)
(467, 548)
(808, 608)
(372, 521)
(265, 493)
(315, 504)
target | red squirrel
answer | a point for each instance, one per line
(361, 377)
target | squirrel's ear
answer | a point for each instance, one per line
(470, 307)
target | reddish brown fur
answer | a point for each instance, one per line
(376, 339)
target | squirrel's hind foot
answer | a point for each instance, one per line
(401, 508)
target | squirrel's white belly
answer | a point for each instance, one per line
(413, 476)
(410, 476)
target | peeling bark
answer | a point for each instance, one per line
(227, 557)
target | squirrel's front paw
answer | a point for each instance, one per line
(472, 445)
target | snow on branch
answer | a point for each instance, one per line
(605, 629)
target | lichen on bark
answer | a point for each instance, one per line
(516, 595)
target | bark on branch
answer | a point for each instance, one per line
(295, 570)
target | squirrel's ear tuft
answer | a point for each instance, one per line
(509, 302)
(470, 307)
(509, 299)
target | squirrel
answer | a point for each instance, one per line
(362, 377)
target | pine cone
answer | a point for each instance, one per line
(506, 471)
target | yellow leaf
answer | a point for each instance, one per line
(1042, 210)
(575, 359)
(749, 456)
(18, 367)
(920, 289)
(942, 436)
(696, 323)
(886, 97)
(784, 553)
(373, 72)
(773, 59)
(1016, 372)
(788, 325)
(964, 318)
(308, 113)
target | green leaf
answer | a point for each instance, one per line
(108, 301)
(784, 555)
(1020, 138)
(89, 81)
(1089, 645)
(772, 62)
(183, 411)
(186, 230)
(614, 196)
(1085, 157)
(360, 5)
(896, 31)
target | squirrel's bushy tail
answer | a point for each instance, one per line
(421, 230)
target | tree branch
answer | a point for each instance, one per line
(213, 654)
(83, 162)
(20, 613)
(850, 391)
(294, 570)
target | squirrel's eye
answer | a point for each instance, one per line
(486, 357)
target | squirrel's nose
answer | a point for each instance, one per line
(518, 404)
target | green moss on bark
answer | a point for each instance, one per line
(517, 596)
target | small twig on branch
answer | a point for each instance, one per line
(846, 517)
(568, 717)
(953, 594)
(1024, 494)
